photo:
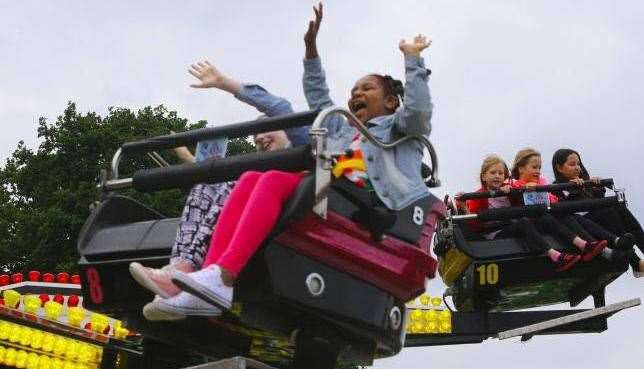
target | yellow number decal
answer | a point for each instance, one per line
(488, 274)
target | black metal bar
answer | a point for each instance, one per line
(533, 211)
(222, 170)
(608, 182)
(242, 129)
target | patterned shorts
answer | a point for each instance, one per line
(203, 206)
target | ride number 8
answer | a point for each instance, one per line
(488, 274)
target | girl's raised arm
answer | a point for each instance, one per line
(314, 80)
(251, 94)
(414, 118)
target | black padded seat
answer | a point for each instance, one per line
(483, 249)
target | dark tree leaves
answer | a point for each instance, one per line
(46, 192)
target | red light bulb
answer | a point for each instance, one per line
(72, 301)
(43, 298)
(4, 279)
(59, 299)
(16, 277)
(62, 277)
(34, 275)
(48, 277)
(1, 301)
(76, 279)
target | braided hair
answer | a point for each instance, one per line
(391, 86)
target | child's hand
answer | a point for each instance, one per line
(596, 180)
(505, 189)
(578, 181)
(414, 48)
(209, 76)
(311, 35)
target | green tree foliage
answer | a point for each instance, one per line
(46, 193)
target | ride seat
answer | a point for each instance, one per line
(346, 199)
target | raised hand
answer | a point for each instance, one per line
(310, 37)
(414, 48)
(209, 76)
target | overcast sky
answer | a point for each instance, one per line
(506, 74)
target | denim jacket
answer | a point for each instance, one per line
(394, 173)
(266, 103)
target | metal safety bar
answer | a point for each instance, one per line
(324, 159)
(608, 182)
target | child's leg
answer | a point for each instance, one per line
(232, 210)
(538, 243)
(574, 224)
(201, 212)
(550, 224)
(264, 206)
(609, 218)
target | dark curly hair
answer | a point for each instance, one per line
(391, 86)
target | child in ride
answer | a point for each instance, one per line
(205, 201)
(619, 221)
(494, 176)
(526, 173)
(255, 203)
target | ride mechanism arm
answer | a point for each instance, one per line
(219, 170)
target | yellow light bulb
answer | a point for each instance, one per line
(56, 364)
(431, 327)
(44, 362)
(75, 316)
(10, 357)
(445, 327)
(5, 328)
(424, 299)
(69, 365)
(416, 315)
(417, 327)
(99, 322)
(53, 310)
(32, 361)
(86, 353)
(2, 353)
(11, 298)
(445, 315)
(21, 359)
(32, 304)
(60, 346)
(437, 301)
(430, 315)
(121, 333)
(48, 342)
(72, 350)
(25, 336)
(36, 339)
(14, 333)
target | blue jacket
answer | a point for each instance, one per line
(266, 103)
(394, 174)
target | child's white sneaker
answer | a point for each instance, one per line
(178, 307)
(207, 285)
(158, 280)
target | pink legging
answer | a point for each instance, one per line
(250, 213)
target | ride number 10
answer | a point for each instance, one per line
(488, 274)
